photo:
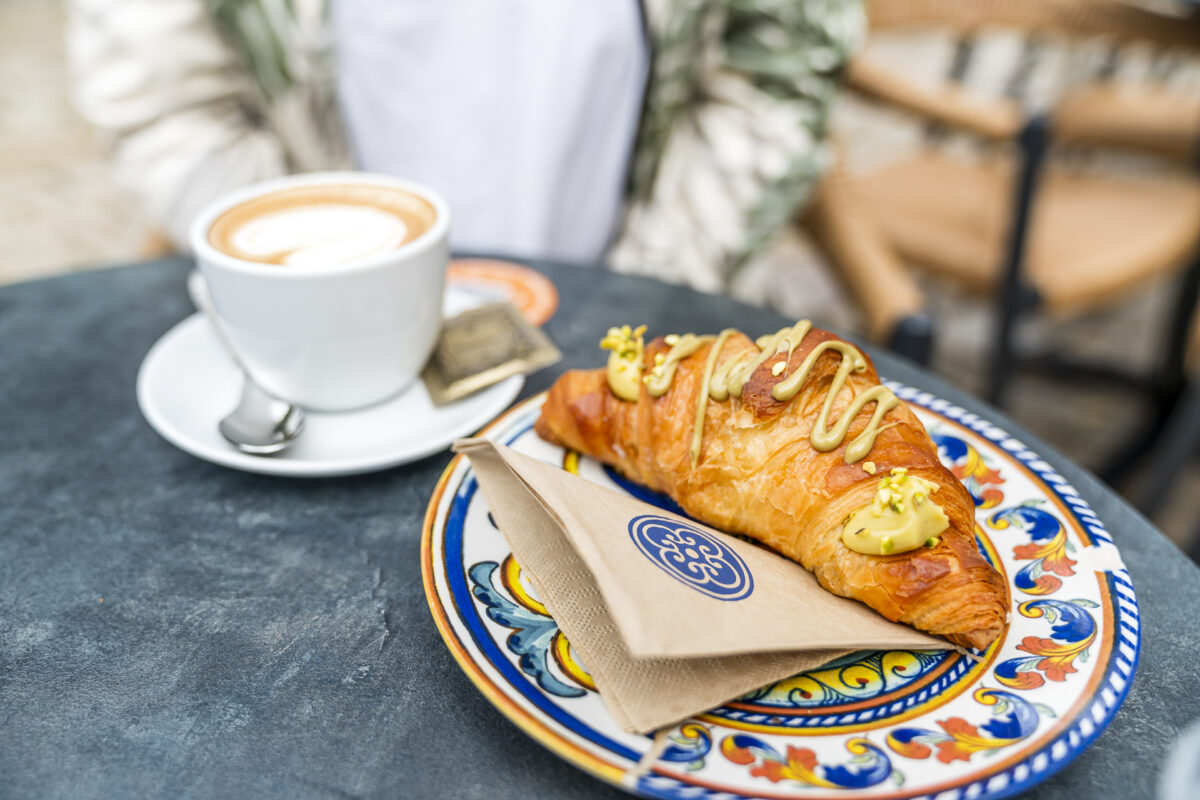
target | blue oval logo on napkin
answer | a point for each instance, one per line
(691, 556)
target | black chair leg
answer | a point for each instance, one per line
(1013, 293)
(1003, 355)
(913, 338)
(1179, 441)
(1167, 390)
(1178, 334)
(1130, 451)
(1193, 547)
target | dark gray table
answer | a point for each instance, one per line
(240, 648)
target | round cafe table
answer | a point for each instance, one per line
(173, 628)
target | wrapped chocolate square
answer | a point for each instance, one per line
(670, 617)
(483, 346)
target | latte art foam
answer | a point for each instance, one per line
(321, 225)
(332, 233)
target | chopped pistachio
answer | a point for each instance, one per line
(625, 363)
(888, 498)
(933, 541)
(624, 341)
(905, 515)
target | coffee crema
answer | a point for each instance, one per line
(321, 224)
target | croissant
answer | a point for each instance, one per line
(746, 463)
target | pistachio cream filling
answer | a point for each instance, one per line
(624, 368)
(902, 517)
(728, 378)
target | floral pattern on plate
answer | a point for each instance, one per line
(888, 724)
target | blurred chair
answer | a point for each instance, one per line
(1032, 235)
(1178, 443)
(844, 227)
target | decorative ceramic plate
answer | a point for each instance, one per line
(895, 724)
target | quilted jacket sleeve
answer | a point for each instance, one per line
(733, 140)
(174, 104)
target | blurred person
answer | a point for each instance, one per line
(669, 137)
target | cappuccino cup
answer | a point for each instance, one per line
(329, 285)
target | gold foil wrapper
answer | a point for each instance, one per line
(484, 346)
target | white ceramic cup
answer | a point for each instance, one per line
(338, 337)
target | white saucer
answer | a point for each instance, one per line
(187, 383)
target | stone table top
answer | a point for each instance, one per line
(173, 628)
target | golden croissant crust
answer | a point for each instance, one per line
(758, 474)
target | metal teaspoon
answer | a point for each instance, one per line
(260, 425)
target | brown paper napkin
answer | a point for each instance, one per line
(670, 617)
